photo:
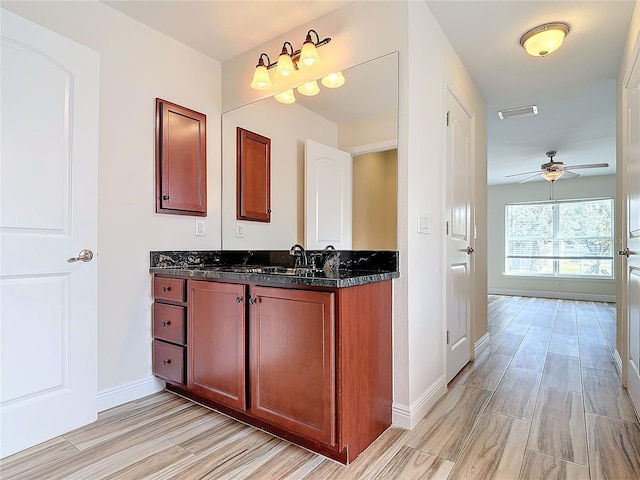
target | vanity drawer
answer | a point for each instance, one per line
(169, 322)
(172, 289)
(168, 361)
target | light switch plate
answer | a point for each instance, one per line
(239, 230)
(199, 227)
(423, 222)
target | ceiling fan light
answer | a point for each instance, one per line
(286, 97)
(552, 175)
(333, 80)
(544, 39)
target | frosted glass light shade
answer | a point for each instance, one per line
(308, 55)
(552, 175)
(286, 97)
(544, 39)
(261, 79)
(333, 80)
(309, 89)
(285, 65)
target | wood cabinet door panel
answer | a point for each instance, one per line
(181, 159)
(253, 176)
(216, 342)
(292, 338)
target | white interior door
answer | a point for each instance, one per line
(328, 197)
(49, 158)
(459, 189)
(631, 166)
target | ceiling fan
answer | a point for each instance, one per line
(553, 170)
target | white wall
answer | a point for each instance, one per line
(137, 65)
(288, 126)
(499, 196)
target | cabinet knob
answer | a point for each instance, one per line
(166, 323)
(166, 289)
(252, 301)
(165, 197)
(166, 362)
(238, 299)
(269, 210)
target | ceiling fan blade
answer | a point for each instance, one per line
(523, 173)
(587, 165)
(529, 178)
(568, 174)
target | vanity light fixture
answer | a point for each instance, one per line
(288, 61)
(544, 39)
(309, 89)
(285, 97)
(261, 79)
(285, 67)
(333, 80)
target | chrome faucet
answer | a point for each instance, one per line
(299, 252)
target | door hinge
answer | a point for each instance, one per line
(448, 119)
(448, 337)
(447, 228)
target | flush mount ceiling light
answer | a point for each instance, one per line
(544, 39)
(289, 62)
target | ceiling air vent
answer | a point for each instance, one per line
(518, 112)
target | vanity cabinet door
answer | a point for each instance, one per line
(292, 374)
(253, 176)
(216, 339)
(181, 160)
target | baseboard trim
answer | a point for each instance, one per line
(408, 417)
(560, 295)
(482, 343)
(618, 361)
(112, 397)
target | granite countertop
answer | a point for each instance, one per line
(350, 268)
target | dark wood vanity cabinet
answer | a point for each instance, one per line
(181, 160)
(217, 342)
(292, 338)
(309, 364)
(169, 329)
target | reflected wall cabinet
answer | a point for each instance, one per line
(181, 160)
(253, 176)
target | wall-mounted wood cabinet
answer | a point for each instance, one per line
(253, 176)
(181, 160)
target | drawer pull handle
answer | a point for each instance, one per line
(238, 299)
(166, 289)
(166, 362)
(252, 301)
(166, 324)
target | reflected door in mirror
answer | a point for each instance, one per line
(253, 189)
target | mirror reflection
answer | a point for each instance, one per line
(333, 165)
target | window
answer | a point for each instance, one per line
(560, 238)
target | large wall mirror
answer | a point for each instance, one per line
(360, 118)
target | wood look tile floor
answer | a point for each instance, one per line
(543, 401)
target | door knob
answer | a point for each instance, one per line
(626, 252)
(84, 255)
(470, 250)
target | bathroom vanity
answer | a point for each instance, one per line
(300, 352)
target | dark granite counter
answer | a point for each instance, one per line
(335, 268)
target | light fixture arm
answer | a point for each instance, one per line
(261, 61)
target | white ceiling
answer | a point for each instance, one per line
(573, 88)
